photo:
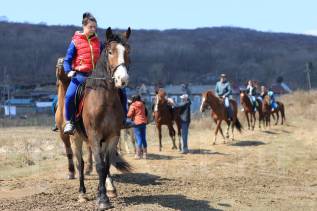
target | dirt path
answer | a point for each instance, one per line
(262, 170)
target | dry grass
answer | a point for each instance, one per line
(26, 146)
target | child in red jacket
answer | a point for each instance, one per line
(137, 112)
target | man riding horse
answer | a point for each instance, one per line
(223, 91)
(251, 91)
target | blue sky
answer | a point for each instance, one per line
(292, 16)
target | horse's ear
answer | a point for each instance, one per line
(127, 33)
(109, 34)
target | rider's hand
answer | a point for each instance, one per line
(71, 73)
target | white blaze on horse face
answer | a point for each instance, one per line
(202, 104)
(121, 76)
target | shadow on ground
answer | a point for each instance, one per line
(205, 151)
(142, 179)
(248, 143)
(178, 202)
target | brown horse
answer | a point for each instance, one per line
(267, 111)
(249, 110)
(219, 114)
(165, 115)
(62, 84)
(102, 114)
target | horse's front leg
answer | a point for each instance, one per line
(159, 129)
(102, 198)
(277, 118)
(216, 131)
(228, 127)
(254, 120)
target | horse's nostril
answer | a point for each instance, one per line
(123, 83)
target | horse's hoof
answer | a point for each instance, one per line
(174, 147)
(82, 198)
(71, 175)
(112, 193)
(104, 205)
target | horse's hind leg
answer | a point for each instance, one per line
(179, 133)
(277, 118)
(172, 135)
(77, 144)
(69, 154)
(89, 167)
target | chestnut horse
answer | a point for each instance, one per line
(166, 115)
(219, 113)
(267, 111)
(62, 84)
(102, 114)
(249, 109)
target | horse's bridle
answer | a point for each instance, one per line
(109, 70)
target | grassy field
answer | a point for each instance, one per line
(268, 169)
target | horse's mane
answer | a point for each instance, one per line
(99, 76)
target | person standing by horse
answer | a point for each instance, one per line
(251, 90)
(184, 113)
(138, 113)
(223, 91)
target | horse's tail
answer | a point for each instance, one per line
(238, 125)
(117, 161)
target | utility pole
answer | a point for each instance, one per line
(308, 69)
(7, 82)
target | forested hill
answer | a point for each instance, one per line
(28, 54)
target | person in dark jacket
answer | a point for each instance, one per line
(251, 91)
(184, 111)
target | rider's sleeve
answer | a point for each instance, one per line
(70, 54)
(217, 89)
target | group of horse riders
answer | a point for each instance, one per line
(224, 91)
(80, 60)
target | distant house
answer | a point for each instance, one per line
(16, 107)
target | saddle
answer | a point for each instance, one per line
(79, 105)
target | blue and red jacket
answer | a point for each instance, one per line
(82, 53)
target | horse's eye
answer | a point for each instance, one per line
(110, 52)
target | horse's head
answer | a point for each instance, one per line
(161, 94)
(205, 100)
(117, 51)
(243, 93)
(60, 73)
